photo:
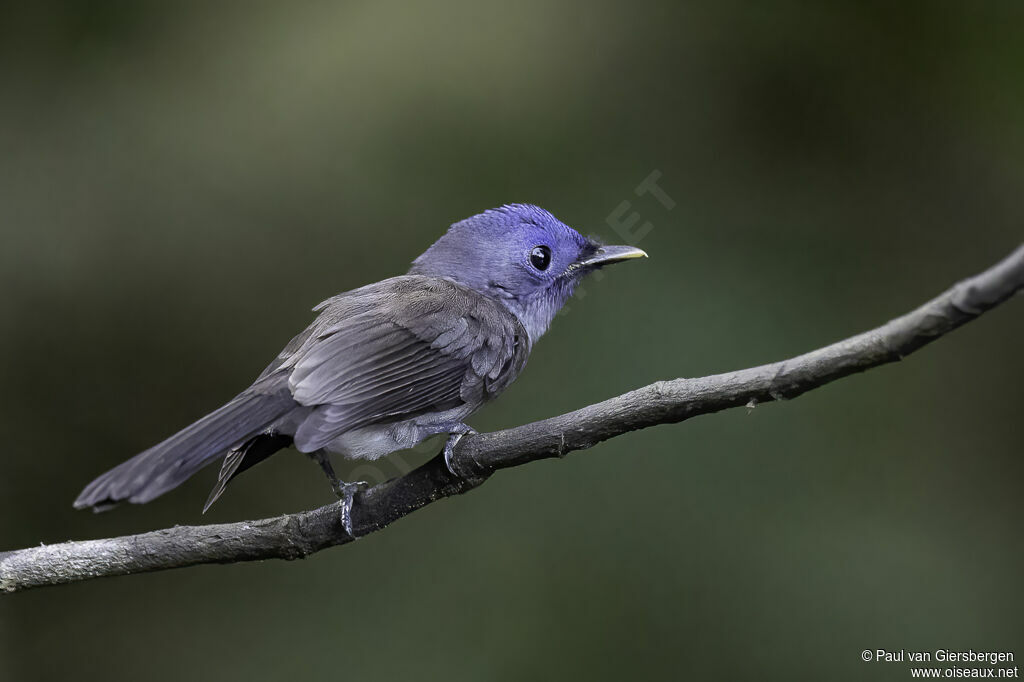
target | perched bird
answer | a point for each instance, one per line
(390, 364)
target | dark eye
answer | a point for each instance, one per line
(540, 257)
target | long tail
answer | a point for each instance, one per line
(167, 465)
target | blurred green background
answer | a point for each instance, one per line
(180, 183)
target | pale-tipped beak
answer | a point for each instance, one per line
(610, 254)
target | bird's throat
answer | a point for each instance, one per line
(536, 312)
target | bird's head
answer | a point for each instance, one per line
(522, 256)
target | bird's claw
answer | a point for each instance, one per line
(449, 453)
(346, 492)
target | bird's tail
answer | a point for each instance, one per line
(167, 465)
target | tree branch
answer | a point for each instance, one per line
(296, 536)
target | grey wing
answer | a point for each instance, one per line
(293, 346)
(402, 348)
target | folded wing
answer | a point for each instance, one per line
(399, 349)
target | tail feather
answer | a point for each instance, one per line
(251, 453)
(167, 465)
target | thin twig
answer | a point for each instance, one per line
(295, 536)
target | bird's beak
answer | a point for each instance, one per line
(610, 254)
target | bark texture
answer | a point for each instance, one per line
(476, 457)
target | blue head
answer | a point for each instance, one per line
(522, 256)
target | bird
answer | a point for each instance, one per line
(390, 364)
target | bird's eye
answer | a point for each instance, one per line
(540, 257)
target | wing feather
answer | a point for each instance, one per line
(398, 349)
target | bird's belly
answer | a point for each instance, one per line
(376, 440)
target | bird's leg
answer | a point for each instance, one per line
(346, 492)
(449, 450)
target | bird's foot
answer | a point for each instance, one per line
(449, 453)
(346, 492)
